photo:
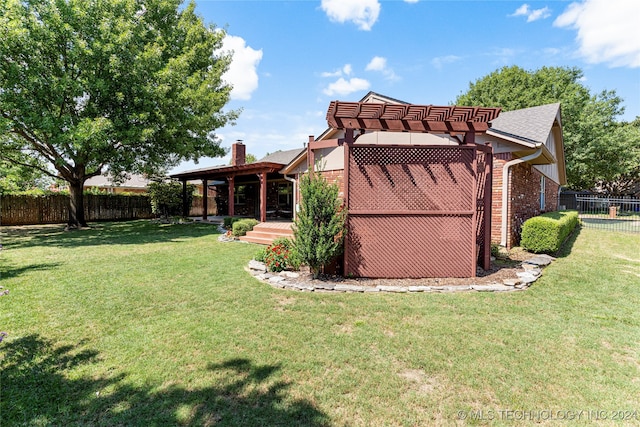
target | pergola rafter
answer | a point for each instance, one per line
(409, 118)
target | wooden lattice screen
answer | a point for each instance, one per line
(417, 211)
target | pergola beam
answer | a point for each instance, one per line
(409, 118)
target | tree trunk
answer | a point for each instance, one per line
(76, 205)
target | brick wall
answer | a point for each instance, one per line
(335, 177)
(524, 198)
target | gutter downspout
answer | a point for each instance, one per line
(505, 191)
(295, 201)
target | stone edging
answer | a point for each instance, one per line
(531, 271)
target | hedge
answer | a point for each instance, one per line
(240, 228)
(546, 233)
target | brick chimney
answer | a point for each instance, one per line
(238, 153)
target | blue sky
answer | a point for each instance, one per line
(291, 58)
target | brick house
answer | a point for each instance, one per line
(527, 148)
(427, 188)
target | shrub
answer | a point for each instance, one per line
(228, 221)
(281, 255)
(260, 255)
(241, 227)
(319, 227)
(166, 198)
(546, 233)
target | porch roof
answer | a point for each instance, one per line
(223, 172)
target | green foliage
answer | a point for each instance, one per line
(228, 221)
(16, 177)
(248, 158)
(547, 232)
(166, 198)
(320, 225)
(599, 151)
(260, 255)
(122, 85)
(281, 255)
(241, 227)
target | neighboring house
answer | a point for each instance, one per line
(422, 197)
(134, 184)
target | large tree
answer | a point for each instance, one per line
(597, 146)
(118, 85)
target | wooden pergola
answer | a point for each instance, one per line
(229, 174)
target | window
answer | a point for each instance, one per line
(284, 195)
(240, 195)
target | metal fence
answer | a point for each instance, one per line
(609, 213)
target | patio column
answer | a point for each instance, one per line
(205, 201)
(263, 196)
(232, 198)
(185, 208)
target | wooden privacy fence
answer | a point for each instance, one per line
(54, 208)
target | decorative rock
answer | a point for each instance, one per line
(540, 260)
(262, 276)
(419, 288)
(491, 288)
(511, 282)
(258, 266)
(276, 279)
(324, 286)
(302, 287)
(527, 277)
(349, 288)
(399, 289)
(290, 274)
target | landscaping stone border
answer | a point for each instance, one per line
(531, 271)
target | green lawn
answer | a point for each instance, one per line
(145, 324)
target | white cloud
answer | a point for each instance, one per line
(411, 1)
(606, 32)
(345, 70)
(378, 63)
(363, 13)
(345, 87)
(440, 61)
(532, 14)
(242, 74)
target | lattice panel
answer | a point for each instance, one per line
(411, 246)
(384, 178)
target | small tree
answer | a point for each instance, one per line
(166, 198)
(319, 227)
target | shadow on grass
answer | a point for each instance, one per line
(7, 271)
(106, 233)
(567, 246)
(38, 390)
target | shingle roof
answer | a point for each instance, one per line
(134, 181)
(282, 157)
(532, 124)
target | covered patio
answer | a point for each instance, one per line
(242, 184)
(254, 190)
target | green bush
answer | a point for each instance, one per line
(546, 233)
(166, 198)
(320, 224)
(241, 227)
(281, 255)
(260, 255)
(228, 221)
